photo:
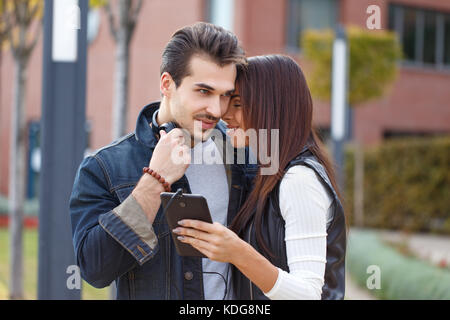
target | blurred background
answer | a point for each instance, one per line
(396, 169)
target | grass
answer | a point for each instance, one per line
(31, 269)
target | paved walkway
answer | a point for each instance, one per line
(429, 247)
(354, 292)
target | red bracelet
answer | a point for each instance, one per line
(158, 177)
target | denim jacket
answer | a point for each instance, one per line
(112, 238)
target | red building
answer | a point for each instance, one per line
(418, 104)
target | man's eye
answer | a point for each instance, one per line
(203, 91)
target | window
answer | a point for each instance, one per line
(34, 159)
(308, 14)
(446, 57)
(429, 35)
(393, 134)
(409, 34)
(424, 34)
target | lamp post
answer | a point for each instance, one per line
(339, 100)
(63, 143)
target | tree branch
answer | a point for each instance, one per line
(35, 39)
(133, 16)
(33, 11)
(14, 49)
(112, 23)
(136, 11)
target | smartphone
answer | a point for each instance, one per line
(185, 206)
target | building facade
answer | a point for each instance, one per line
(417, 104)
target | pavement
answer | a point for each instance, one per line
(354, 292)
(429, 247)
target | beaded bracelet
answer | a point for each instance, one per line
(158, 177)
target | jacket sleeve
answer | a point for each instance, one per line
(109, 238)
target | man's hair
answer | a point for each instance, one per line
(202, 38)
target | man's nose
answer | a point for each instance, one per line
(214, 108)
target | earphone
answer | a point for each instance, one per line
(167, 127)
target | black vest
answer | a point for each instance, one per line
(273, 231)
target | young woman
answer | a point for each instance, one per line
(288, 239)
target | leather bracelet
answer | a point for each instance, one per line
(158, 177)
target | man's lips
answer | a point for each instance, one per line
(207, 124)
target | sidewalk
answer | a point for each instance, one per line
(354, 292)
(429, 247)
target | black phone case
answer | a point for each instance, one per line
(185, 206)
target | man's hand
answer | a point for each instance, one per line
(170, 159)
(171, 156)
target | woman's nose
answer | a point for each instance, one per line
(228, 115)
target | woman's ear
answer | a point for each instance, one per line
(166, 85)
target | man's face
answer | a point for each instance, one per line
(202, 96)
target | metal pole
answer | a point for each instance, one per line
(339, 101)
(63, 143)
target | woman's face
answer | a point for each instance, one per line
(235, 123)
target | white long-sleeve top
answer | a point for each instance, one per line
(305, 207)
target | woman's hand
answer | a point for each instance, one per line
(214, 240)
(221, 244)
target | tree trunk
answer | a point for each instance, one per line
(17, 181)
(121, 84)
(123, 37)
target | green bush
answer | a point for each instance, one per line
(400, 277)
(373, 58)
(406, 185)
(31, 207)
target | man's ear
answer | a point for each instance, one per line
(166, 84)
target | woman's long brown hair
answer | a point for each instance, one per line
(275, 95)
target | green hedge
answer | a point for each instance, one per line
(406, 185)
(373, 59)
(31, 207)
(401, 277)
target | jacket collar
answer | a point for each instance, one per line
(144, 133)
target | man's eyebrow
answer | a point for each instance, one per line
(206, 86)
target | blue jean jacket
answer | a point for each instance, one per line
(107, 249)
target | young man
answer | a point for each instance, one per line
(119, 231)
